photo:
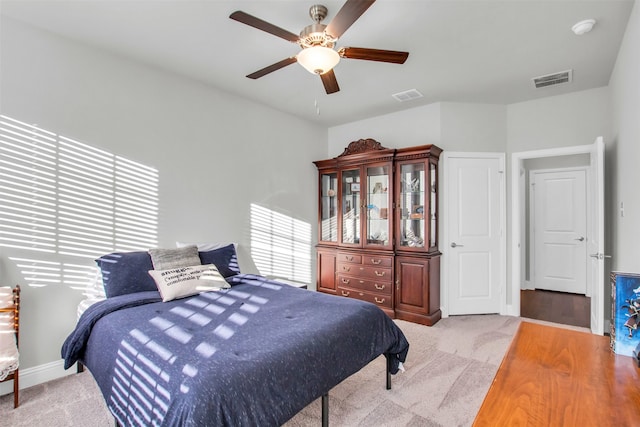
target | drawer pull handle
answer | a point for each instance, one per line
(379, 301)
(348, 258)
(375, 261)
(345, 268)
(345, 281)
(345, 293)
(361, 294)
(361, 281)
(378, 287)
(379, 274)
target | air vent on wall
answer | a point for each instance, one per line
(552, 79)
(407, 95)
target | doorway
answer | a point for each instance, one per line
(590, 157)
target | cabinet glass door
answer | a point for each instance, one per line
(433, 204)
(329, 207)
(411, 205)
(351, 205)
(377, 202)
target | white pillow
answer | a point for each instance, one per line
(95, 288)
(185, 281)
(204, 246)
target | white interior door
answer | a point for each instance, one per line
(474, 221)
(560, 230)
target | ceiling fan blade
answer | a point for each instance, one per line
(346, 16)
(258, 23)
(330, 82)
(273, 67)
(392, 56)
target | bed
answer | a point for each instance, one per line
(253, 354)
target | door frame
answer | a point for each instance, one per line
(530, 284)
(518, 229)
(443, 243)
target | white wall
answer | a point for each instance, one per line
(624, 168)
(216, 153)
(451, 126)
(416, 126)
(473, 127)
(559, 121)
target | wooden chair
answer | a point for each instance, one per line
(15, 310)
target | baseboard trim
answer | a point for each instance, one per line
(511, 311)
(37, 375)
(528, 286)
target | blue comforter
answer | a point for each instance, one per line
(252, 355)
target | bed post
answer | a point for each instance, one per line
(388, 373)
(325, 410)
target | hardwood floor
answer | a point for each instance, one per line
(558, 377)
(557, 307)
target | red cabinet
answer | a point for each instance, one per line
(377, 227)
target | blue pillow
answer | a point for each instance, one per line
(126, 273)
(225, 259)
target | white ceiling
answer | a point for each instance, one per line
(460, 51)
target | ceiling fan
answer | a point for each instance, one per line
(318, 40)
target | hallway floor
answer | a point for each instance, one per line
(557, 307)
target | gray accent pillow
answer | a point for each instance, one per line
(164, 259)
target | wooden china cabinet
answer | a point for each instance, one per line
(377, 223)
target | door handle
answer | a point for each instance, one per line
(600, 256)
(580, 239)
(455, 245)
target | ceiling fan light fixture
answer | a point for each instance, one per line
(318, 59)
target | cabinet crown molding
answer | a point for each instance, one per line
(362, 146)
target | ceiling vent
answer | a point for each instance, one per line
(407, 95)
(553, 79)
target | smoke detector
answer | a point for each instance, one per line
(583, 27)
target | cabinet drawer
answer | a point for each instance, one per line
(376, 273)
(350, 258)
(379, 261)
(366, 272)
(377, 299)
(381, 287)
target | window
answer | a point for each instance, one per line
(63, 203)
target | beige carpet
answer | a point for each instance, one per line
(448, 372)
